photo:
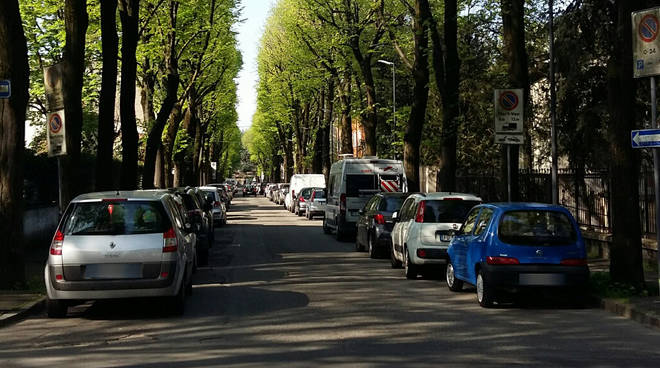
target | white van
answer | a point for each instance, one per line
(352, 182)
(299, 181)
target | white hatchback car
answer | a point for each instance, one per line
(423, 229)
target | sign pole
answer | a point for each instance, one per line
(656, 173)
(508, 172)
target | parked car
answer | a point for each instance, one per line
(120, 245)
(352, 182)
(219, 210)
(269, 191)
(249, 190)
(281, 193)
(301, 200)
(316, 204)
(423, 229)
(299, 181)
(201, 220)
(515, 246)
(374, 226)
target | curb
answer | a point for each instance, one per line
(629, 311)
(29, 308)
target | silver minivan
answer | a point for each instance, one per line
(120, 245)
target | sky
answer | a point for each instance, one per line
(255, 13)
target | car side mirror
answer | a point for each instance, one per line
(395, 216)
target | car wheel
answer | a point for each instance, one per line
(453, 283)
(339, 233)
(394, 262)
(203, 257)
(485, 292)
(372, 247)
(410, 269)
(56, 308)
(177, 302)
(326, 229)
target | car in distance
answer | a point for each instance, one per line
(515, 246)
(214, 198)
(375, 223)
(316, 204)
(423, 229)
(301, 200)
(120, 245)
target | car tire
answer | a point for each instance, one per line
(371, 247)
(485, 292)
(395, 263)
(56, 308)
(203, 258)
(189, 287)
(410, 270)
(326, 228)
(177, 303)
(453, 283)
(339, 233)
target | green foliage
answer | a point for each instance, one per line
(602, 286)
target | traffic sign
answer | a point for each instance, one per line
(56, 134)
(5, 88)
(645, 138)
(509, 108)
(646, 43)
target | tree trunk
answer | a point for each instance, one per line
(370, 115)
(129, 13)
(154, 139)
(317, 161)
(447, 77)
(168, 146)
(327, 123)
(515, 53)
(75, 23)
(626, 247)
(413, 135)
(346, 128)
(14, 67)
(106, 129)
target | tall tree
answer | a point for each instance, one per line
(515, 53)
(129, 14)
(73, 58)
(626, 247)
(14, 67)
(106, 129)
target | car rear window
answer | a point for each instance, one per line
(355, 183)
(391, 204)
(447, 211)
(306, 193)
(319, 194)
(117, 218)
(536, 228)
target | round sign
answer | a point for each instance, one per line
(55, 123)
(508, 100)
(648, 28)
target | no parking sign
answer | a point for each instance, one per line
(646, 43)
(56, 134)
(509, 109)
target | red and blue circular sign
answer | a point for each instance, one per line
(648, 28)
(55, 123)
(509, 100)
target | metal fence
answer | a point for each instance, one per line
(585, 193)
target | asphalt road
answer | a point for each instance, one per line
(278, 292)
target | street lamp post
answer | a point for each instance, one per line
(393, 93)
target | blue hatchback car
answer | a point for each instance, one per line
(510, 246)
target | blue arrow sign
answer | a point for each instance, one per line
(645, 138)
(5, 88)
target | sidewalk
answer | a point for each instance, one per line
(14, 307)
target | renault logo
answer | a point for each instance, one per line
(112, 245)
(539, 253)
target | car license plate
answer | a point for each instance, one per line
(541, 279)
(113, 271)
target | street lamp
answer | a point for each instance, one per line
(393, 92)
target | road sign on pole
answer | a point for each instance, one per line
(5, 88)
(509, 109)
(645, 138)
(56, 134)
(646, 43)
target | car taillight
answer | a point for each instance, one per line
(502, 261)
(379, 219)
(342, 203)
(574, 262)
(301, 199)
(420, 212)
(216, 204)
(170, 243)
(421, 253)
(56, 244)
